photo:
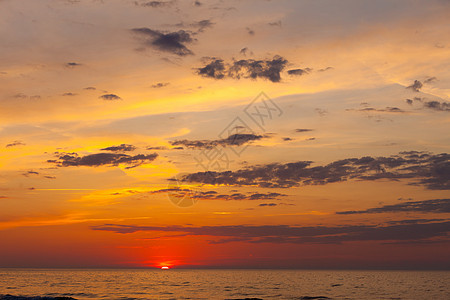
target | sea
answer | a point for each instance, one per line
(225, 284)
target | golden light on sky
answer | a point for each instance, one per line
(224, 133)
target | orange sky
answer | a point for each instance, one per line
(303, 134)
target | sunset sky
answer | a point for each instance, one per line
(254, 134)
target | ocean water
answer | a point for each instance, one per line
(226, 284)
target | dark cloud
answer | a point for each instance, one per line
(197, 3)
(433, 104)
(172, 42)
(303, 130)
(237, 139)
(416, 86)
(122, 147)
(215, 69)
(154, 4)
(427, 206)
(198, 26)
(103, 159)
(325, 69)
(72, 65)
(415, 221)
(69, 94)
(321, 112)
(250, 31)
(25, 97)
(110, 97)
(436, 105)
(202, 25)
(291, 234)
(157, 148)
(277, 23)
(299, 72)
(30, 173)
(430, 80)
(245, 68)
(244, 51)
(419, 168)
(90, 88)
(387, 109)
(14, 144)
(20, 96)
(268, 204)
(213, 195)
(160, 85)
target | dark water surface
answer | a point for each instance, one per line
(226, 284)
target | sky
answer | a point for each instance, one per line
(225, 134)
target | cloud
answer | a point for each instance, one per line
(215, 69)
(430, 80)
(237, 139)
(90, 88)
(387, 109)
(160, 85)
(433, 105)
(299, 72)
(157, 148)
(72, 65)
(419, 168)
(325, 69)
(199, 26)
(416, 86)
(202, 25)
(14, 144)
(213, 195)
(436, 105)
(69, 94)
(268, 204)
(110, 97)
(172, 42)
(303, 130)
(23, 96)
(103, 159)
(277, 23)
(427, 206)
(30, 173)
(292, 234)
(244, 51)
(246, 68)
(250, 31)
(321, 112)
(122, 147)
(154, 4)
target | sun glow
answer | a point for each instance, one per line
(164, 268)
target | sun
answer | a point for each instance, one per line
(165, 268)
